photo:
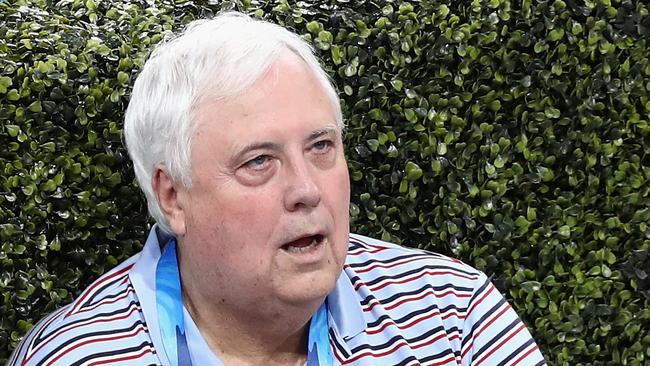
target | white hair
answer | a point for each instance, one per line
(212, 58)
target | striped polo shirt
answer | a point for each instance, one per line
(391, 306)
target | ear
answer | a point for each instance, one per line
(169, 199)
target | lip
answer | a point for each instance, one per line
(290, 238)
(307, 255)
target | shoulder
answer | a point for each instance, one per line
(104, 324)
(414, 302)
(381, 264)
(426, 306)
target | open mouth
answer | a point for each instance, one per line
(304, 244)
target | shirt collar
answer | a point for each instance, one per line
(346, 313)
(143, 278)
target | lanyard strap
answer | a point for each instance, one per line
(319, 350)
(169, 304)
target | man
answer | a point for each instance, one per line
(235, 134)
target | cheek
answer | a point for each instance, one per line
(250, 222)
(255, 207)
(339, 195)
(339, 188)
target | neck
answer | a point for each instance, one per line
(258, 337)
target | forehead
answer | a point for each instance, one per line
(287, 98)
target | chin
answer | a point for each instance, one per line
(311, 289)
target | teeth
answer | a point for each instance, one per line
(307, 248)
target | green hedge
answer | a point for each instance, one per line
(514, 135)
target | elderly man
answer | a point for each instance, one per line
(235, 134)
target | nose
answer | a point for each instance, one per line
(302, 190)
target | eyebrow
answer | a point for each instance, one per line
(265, 145)
(327, 130)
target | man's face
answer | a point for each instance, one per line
(267, 215)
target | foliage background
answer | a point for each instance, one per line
(511, 134)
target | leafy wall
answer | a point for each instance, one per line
(514, 135)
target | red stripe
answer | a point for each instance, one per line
(526, 354)
(404, 343)
(422, 274)
(126, 358)
(376, 246)
(92, 288)
(64, 330)
(379, 354)
(485, 294)
(469, 311)
(470, 346)
(390, 265)
(444, 362)
(405, 325)
(339, 358)
(106, 339)
(364, 250)
(435, 339)
(37, 336)
(336, 352)
(484, 327)
(503, 341)
(385, 325)
(431, 341)
(368, 308)
(107, 301)
(429, 292)
(125, 280)
(358, 285)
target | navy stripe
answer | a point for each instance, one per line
(515, 353)
(393, 340)
(482, 319)
(406, 361)
(418, 291)
(403, 319)
(100, 290)
(91, 316)
(41, 327)
(440, 355)
(110, 331)
(103, 298)
(114, 353)
(372, 262)
(417, 271)
(487, 314)
(495, 339)
(342, 350)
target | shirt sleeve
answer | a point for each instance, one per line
(19, 357)
(493, 334)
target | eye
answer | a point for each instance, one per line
(323, 146)
(259, 162)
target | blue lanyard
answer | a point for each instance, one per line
(319, 350)
(169, 303)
